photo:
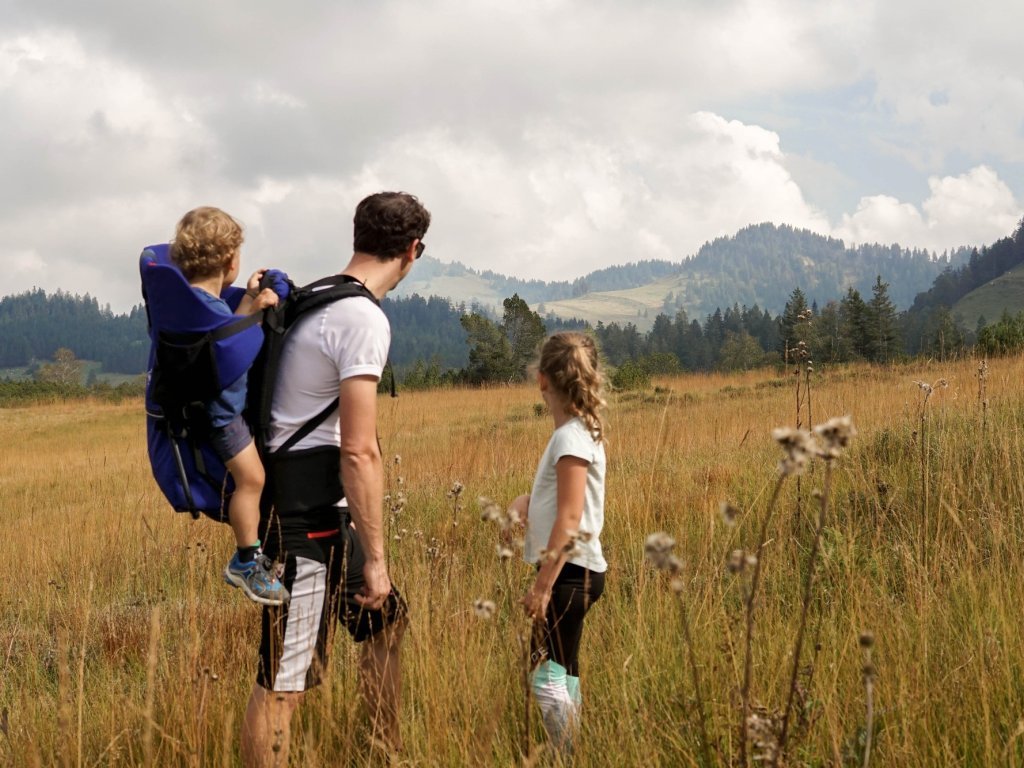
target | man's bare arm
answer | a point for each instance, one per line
(362, 475)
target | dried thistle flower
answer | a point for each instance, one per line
(398, 460)
(761, 731)
(737, 561)
(455, 490)
(490, 512)
(504, 553)
(798, 445)
(484, 609)
(866, 639)
(729, 513)
(833, 436)
(571, 547)
(658, 550)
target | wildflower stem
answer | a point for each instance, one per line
(524, 641)
(705, 745)
(808, 591)
(923, 453)
(869, 716)
(81, 668)
(755, 580)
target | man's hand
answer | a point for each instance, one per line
(377, 587)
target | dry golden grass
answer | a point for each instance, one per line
(96, 560)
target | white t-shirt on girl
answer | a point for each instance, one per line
(570, 439)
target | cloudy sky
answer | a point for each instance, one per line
(547, 137)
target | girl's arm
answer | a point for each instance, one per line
(571, 474)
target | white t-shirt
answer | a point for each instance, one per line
(570, 439)
(349, 337)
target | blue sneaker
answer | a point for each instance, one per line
(257, 580)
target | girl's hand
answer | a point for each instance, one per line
(535, 602)
(520, 506)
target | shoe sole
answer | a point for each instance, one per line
(238, 581)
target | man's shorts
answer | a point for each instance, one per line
(323, 572)
(229, 440)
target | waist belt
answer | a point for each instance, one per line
(300, 481)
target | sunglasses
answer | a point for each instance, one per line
(420, 247)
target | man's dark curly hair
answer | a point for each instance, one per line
(386, 223)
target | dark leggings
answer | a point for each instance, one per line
(575, 590)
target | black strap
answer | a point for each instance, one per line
(309, 426)
(320, 292)
(238, 326)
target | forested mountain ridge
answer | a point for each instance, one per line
(760, 265)
(462, 284)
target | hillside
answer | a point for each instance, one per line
(1003, 294)
(761, 265)
(463, 285)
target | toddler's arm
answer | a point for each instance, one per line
(256, 300)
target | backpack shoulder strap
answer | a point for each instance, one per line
(319, 293)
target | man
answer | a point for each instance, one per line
(334, 570)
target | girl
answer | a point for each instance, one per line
(564, 515)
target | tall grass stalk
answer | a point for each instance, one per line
(808, 591)
(81, 667)
(750, 605)
(867, 640)
(151, 666)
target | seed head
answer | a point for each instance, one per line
(737, 561)
(455, 490)
(798, 445)
(490, 512)
(572, 548)
(866, 639)
(833, 436)
(658, 549)
(484, 609)
(728, 512)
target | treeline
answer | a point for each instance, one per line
(33, 325)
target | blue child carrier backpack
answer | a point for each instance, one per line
(195, 352)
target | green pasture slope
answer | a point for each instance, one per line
(638, 305)
(1005, 293)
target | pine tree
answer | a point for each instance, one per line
(525, 331)
(881, 322)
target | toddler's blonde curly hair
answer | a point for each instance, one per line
(205, 241)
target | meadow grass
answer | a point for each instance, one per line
(119, 645)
